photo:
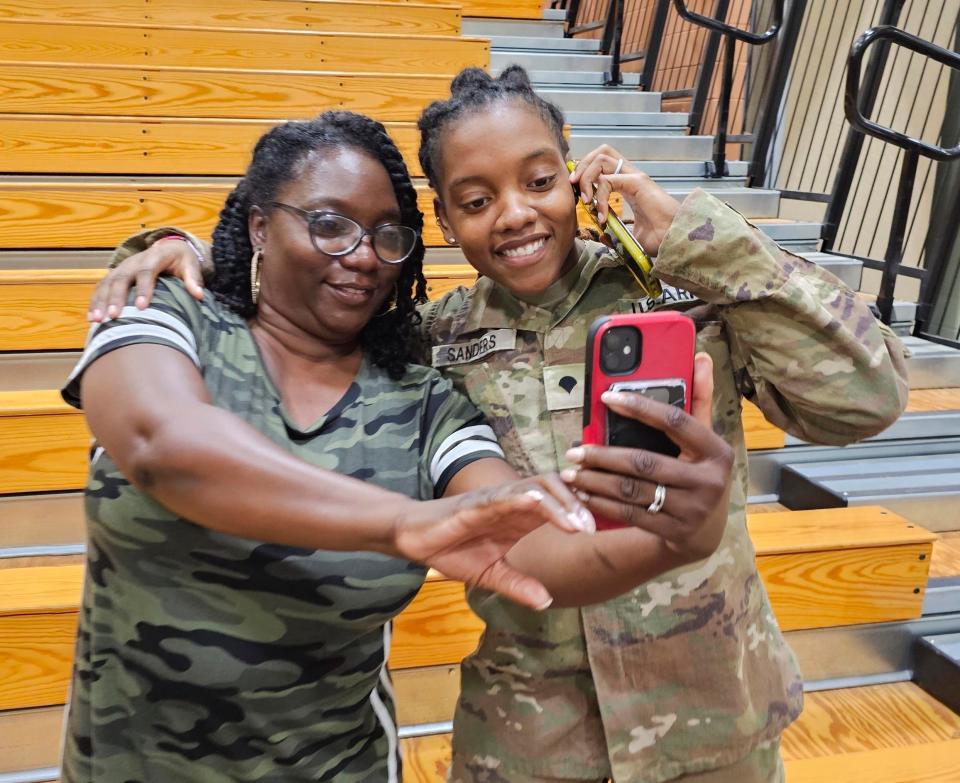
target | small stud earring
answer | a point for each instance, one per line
(451, 240)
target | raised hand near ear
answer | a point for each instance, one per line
(653, 208)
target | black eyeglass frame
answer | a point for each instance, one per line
(311, 215)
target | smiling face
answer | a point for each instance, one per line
(504, 194)
(330, 297)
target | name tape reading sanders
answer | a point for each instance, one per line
(471, 350)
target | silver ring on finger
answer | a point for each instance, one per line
(659, 498)
(617, 169)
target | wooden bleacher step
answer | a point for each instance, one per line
(879, 734)
(160, 46)
(855, 566)
(328, 15)
(835, 567)
(45, 309)
(38, 624)
(44, 442)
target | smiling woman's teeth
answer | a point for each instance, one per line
(524, 250)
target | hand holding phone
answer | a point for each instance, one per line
(649, 354)
(619, 484)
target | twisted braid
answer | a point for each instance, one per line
(390, 339)
(471, 91)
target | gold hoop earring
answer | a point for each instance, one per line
(255, 274)
(393, 308)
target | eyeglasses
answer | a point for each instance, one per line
(337, 235)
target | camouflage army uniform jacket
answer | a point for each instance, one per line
(688, 672)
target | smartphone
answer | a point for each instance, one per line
(644, 353)
(624, 244)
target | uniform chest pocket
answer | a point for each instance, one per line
(512, 400)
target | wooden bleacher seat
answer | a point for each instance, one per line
(244, 94)
(327, 15)
(162, 146)
(935, 762)
(879, 734)
(45, 309)
(95, 213)
(510, 9)
(38, 623)
(830, 567)
(837, 567)
(43, 443)
(158, 46)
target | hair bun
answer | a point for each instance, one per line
(515, 76)
(470, 80)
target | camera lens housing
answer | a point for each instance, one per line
(621, 349)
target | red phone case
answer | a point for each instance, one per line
(668, 343)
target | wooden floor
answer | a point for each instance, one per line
(880, 734)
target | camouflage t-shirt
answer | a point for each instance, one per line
(207, 657)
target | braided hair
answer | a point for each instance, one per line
(390, 338)
(472, 91)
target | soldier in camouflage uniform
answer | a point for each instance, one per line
(688, 676)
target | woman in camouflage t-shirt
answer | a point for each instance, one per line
(235, 619)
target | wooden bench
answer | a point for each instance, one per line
(508, 9)
(879, 734)
(329, 16)
(40, 144)
(46, 309)
(96, 214)
(836, 567)
(43, 443)
(244, 94)
(831, 567)
(34, 43)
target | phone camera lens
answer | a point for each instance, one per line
(620, 350)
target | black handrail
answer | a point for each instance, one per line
(913, 149)
(612, 33)
(731, 35)
(730, 31)
(851, 101)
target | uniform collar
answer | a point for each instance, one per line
(494, 307)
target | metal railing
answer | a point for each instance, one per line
(793, 120)
(731, 35)
(858, 104)
(608, 16)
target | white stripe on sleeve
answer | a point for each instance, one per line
(475, 432)
(154, 315)
(462, 450)
(108, 336)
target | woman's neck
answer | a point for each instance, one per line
(311, 374)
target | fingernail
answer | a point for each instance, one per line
(583, 198)
(575, 454)
(111, 311)
(546, 604)
(536, 494)
(568, 474)
(614, 397)
(582, 496)
(587, 523)
(96, 315)
(141, 302)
